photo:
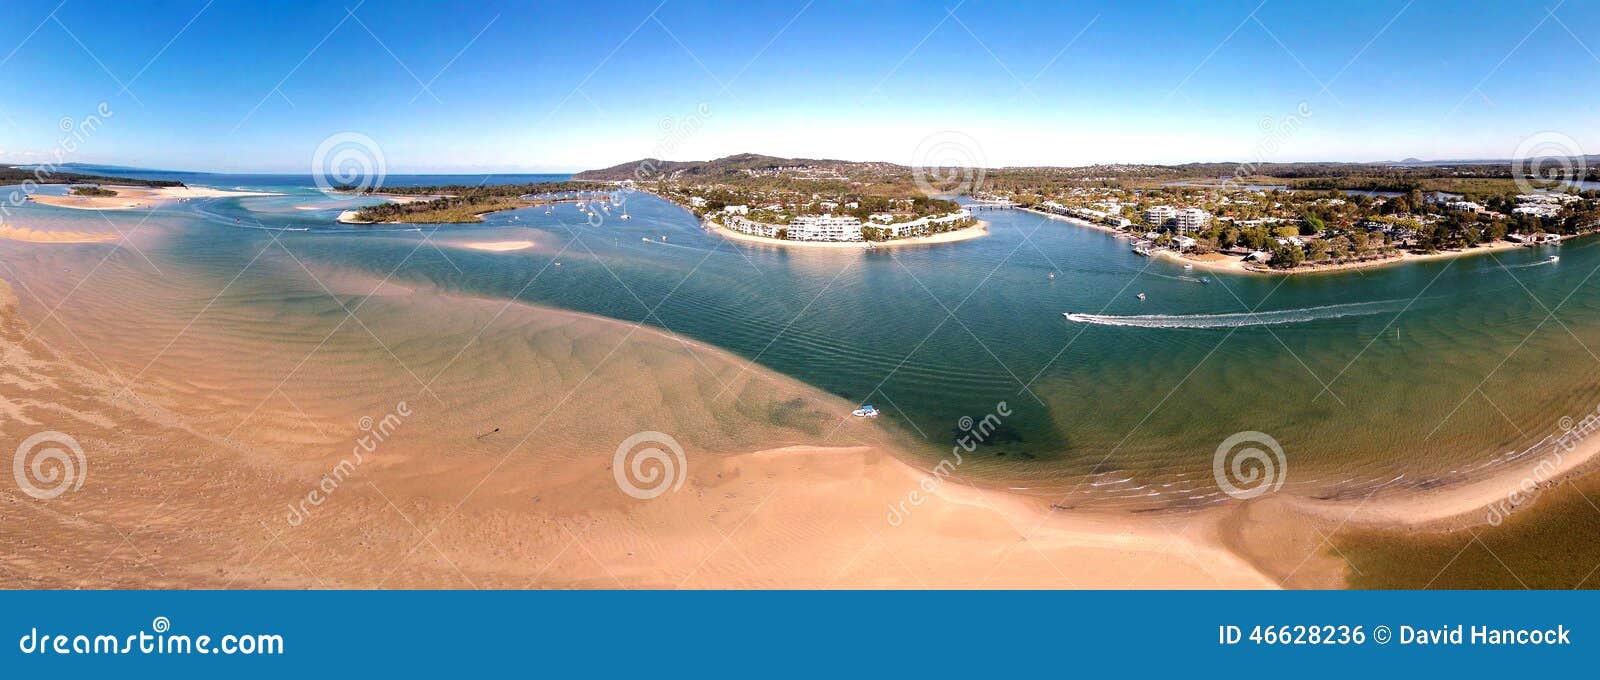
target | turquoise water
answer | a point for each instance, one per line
(1433, 370)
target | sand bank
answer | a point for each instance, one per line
(498, 246)
(14, 233)
(979, 229)
(129, 198)
(506, 478)
(349, 217)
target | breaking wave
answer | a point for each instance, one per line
(1241, 319)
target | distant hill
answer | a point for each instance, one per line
(738, 165)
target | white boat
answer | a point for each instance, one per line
(646, 239)
(1052, 276)
(625, 217)
(1188, 266)
(1141, 296)
(866, 411)
(1555, 258)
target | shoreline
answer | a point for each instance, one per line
(979, 229)
(1233, 264)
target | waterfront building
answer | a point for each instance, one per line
(1191, 219)
(825, 228)
(1160, 215)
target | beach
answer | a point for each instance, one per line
(791, 515)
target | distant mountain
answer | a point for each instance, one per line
(738, 165)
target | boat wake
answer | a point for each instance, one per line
(1240, 319)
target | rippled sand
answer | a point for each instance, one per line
(223, 423)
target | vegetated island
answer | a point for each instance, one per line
(13, 174)
(805, 202)
(456, 203)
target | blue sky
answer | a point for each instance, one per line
(234, 86)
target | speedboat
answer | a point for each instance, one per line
(1188, 266)
(1141, 296)
(1052, 276)
(1205, 279)
(1555, 258)
(866, 411)
(625, 217)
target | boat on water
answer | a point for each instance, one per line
(1555, 258)
(1141, 296)
(625, 217)
(866, 411)
(646, 239)
(1052, 276)
(1205, 280)
(1188, 266)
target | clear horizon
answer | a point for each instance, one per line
(497, 89)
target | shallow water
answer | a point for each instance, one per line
(1406, 375)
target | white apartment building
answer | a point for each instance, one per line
(751, 227)
(919, 226)
(1191, 219)
(1160, 214)
(825, 228)
(736, 209)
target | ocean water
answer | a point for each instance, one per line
(1404, 376)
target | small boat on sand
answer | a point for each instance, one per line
(866, 411)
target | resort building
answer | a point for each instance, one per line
(921, 225)
(1160, 215)
(1538, 209)
(752, 227)
(825, 228)
(736, 209)
(1191, 219)
(841, 227)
